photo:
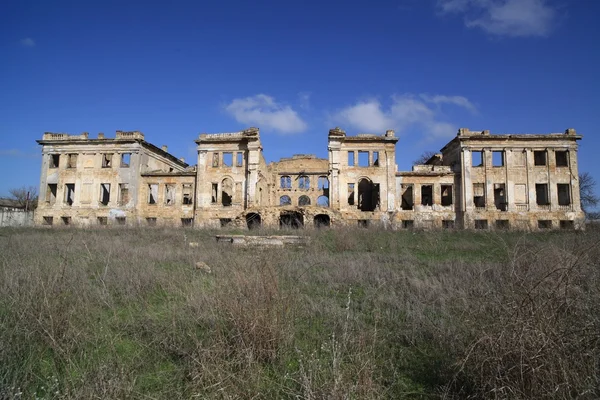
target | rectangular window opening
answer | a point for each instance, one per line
(225, 222)
(363, 223)
(363, 158)
(151, 221)
(541, 194)
(539, 157)
(187, 222)
(228, 159)
(446, 195)
(187, 194)
(54, 160)
(107, 160)
(351, 161)
(285, 182)
(123, 194)
(66, 220)
(70, 193)
(498, 158)
(71, 160)
(51, 193)
(562, 158)
(121, 220)
(169, 194)
(427, 195)
(544, 224)
(102, 220)
(125, 160)
(48, 220)
(152, 193)
(564, 194)
(407, 202)
(351, 194)
(479, 195)
(214, 192)
(481, 224)
(104, 193)
(376, 159)
(477, 158)
(408, 224)
(500, 197)
(239, 159)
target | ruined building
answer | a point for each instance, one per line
(478, 181)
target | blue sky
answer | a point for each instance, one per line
(295, 69)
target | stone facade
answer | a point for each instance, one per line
(477, 181)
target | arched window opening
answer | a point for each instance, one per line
(323, 201)
(303, 182)
(368, 195)
(285, 201)
(322, 221)
(227, 192)
(285, 182)
(304, 201)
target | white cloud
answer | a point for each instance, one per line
(405, 112)
(27, 42)
(263, 111)
(504, 17)
(304, 99)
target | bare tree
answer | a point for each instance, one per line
(587, 187)
(423, 158)
(27, 197)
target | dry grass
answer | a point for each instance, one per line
(357, 314)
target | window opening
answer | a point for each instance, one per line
(66, 220)
(104, 193)
(498, 158)
(285, 201)
(121, 220)
(539, 157)
(291, 220)
(322, 220)
(562, 158)
(228, 159)
(125, 160)
(186, 222)
(368, 195)
(351, 161)
(363, 158)
(500, 196)
(70, 193)
(448, 224)
(447, 195)
(427, 195)
(227, 192)
(48, 220)
(71, 160)
(240, 159)
(564, 194)
(253, 221)
(123, 193)
(408, 224)
(169, 194)
(479, 195)
(152, 193)
(481, 224)
(102, 221)
(407, 202)
(375, 158)
(544, 224)
(351, 194)
(285, 182)
(54, 160)
(214, 193)
(303, 182)
(323, 201)
(151, 221)
(51, 193)
(477, 158)
(107, 160)
(187, 194)
(304, 201)
(323, 183)
(541, 194)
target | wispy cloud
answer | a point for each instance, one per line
(515, 18)
(16, 153)
(27, 42)
(408, 111)
(304, 100)
(263, 111)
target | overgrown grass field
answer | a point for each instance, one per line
(356, 314)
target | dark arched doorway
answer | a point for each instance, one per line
(291, 219)
(322, 221)
(368, 195)
(253, 220)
